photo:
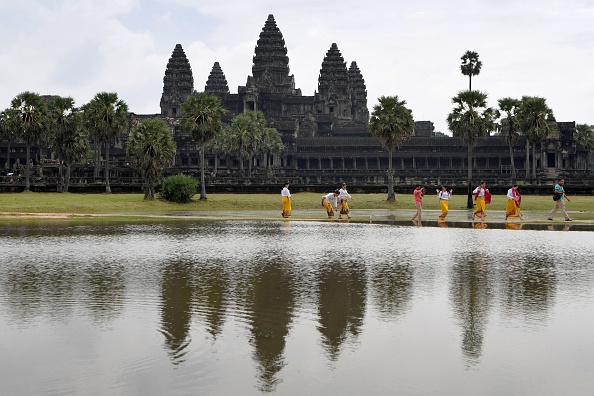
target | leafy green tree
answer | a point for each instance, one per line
(28, 119)
(106, 117)
(150, 148)
(584, 135)
(392, 123)
(7, 134)
(202, 119)
(272, 144)
(68, 139)
(533, 117)
(510, 126)
(470, 119)
(247, 136)
(471, 66)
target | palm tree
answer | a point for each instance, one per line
(471, 66)
(470, 119)
(584, 135)
(6, 133)
(392, 123)
(68, 139)
(107, 117)
(272, 144)
(201, 119)
(150, 148)
(510, 126)
(27, 117)
(533, 119)
(246, 136)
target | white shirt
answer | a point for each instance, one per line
(511, 194)
(285, 192)
(445, 195)
(344, 194)
(329, 198)
(481, 191)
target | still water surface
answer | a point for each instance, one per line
(294, 308)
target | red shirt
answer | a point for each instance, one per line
(418, 196)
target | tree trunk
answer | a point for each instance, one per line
(513, 163)
(97, 148)
(469, 202)
(150, 189)
(60, 177)
(391, 195)
(28, 169)
(216, 166)
(527, 164)
(534, 160)
(67, 181)
(202, 178)
(107, 187)
(7, 164)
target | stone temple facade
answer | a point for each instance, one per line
(326, 135)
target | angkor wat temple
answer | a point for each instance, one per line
(326, 137)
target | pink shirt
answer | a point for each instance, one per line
(418, 196)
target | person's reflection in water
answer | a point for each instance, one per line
(272, 303)
(342, 302)
(176, 295)
(514, 226)
(471, 294)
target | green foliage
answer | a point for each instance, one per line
(391, 121)
(201, 117)
(584, 135)
(533, 117)
(471, 118)
(178, 188)
(150, 147)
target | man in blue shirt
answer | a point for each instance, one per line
(559, 203)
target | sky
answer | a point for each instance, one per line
(411, 49)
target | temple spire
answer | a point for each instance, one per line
(358, 92)
(178, 83)
(217, 83)
(334, 96)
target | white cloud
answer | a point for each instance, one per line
(409, 49)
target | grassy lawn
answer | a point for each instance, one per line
(123, 204)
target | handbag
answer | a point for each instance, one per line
(556, 197)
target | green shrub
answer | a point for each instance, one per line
(179, 188)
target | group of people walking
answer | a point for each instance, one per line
(338, 200)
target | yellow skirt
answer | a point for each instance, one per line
(512, 209)
(480, 205)
(344, 207)
(443, 204)
(328, 208)
(286, 207)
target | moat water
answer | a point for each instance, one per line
(293, 308)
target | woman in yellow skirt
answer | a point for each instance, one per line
(329, 203)
(444, 196)
(514, 198)
(481, 198)
(286, 198)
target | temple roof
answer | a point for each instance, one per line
(333, 73)
(216, 83)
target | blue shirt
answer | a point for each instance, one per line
(559, 190)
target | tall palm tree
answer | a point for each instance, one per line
(510, 126)
(7, 134)
(392, 123)
(471, 66)
(150, 147)
(68, 140)
(470, 119)
(107, 116)
(534, 118)
(202, 119)
(584, 135)
(245, 136)
(27, 117)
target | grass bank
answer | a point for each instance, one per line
(134, 204)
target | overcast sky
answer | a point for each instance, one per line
(407, 48)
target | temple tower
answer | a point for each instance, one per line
(334, 94)
(358, 91)
(217, 82)
(178, 83)
(270, 67)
